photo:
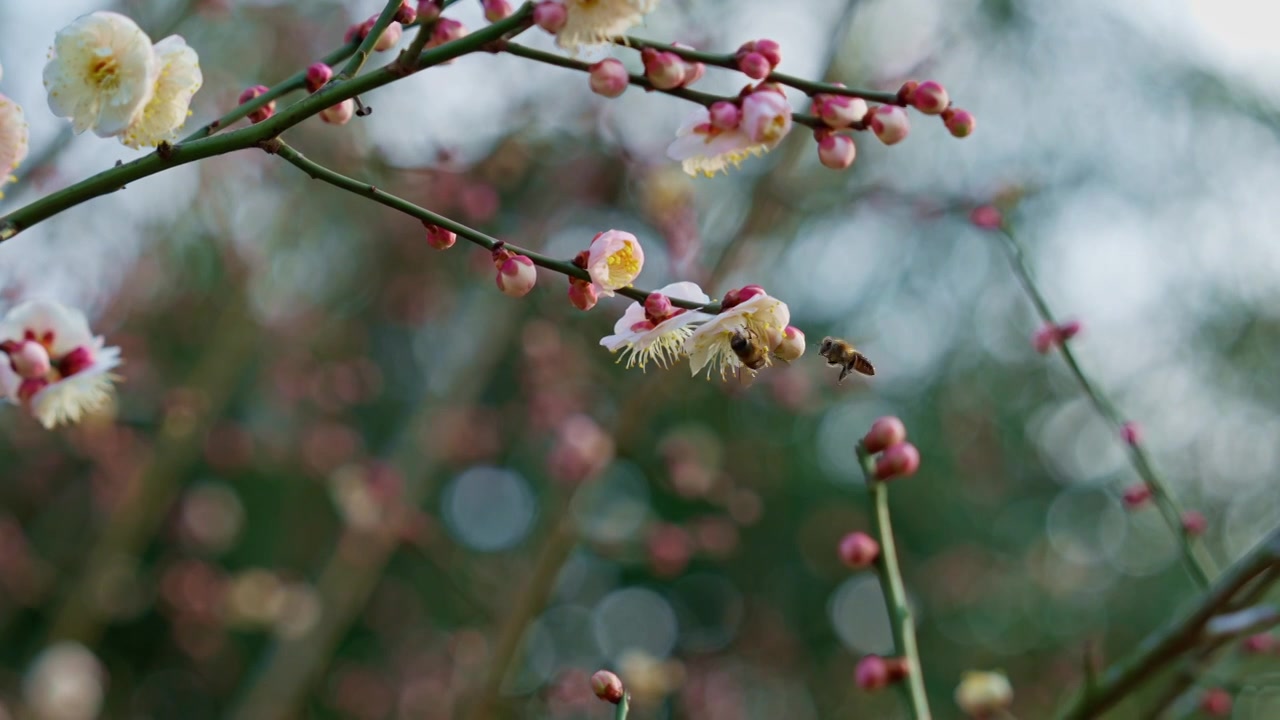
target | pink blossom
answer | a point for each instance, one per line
(766, 116)
(614, 260)
(889, 123)
(930, 98)
(516, 273)
(836, 151)
(609, 78)
(859, 550)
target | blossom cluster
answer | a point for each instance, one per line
(106, 76)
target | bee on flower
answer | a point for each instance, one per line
(714, 139)
(657, 330)
(52, 364)
(746, 312)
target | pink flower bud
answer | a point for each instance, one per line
(389, 38)
(898, 668)
(495, 10)
(317, 75)
(740, 295)
(1216, 702)
(960, 123)
(428, 10)
(1069, 329)
(725, 115)
(871, 674)
(446, 30)
(884, 433)
(1258, 644)
(693, 72)
(664, 69)
(901, 460)
(516, 276)
(766, 116)
(438, 237)
(658, 307)
(1194, 523)
(76, 361)
(550, 16)
(836, 151)
(986, 217)
(263, 112)
(583, 294)
(1131, 433)
(839, 111)
(771, 51)
(30, 360)
(406, 14)
(608, 77)
(859, 550)
(339, 114)
(791, 346)
(754, 65)
(907, 93)
(353, 33)
(607, 686)
(29, 387)
(1135, 496)
(930, 98)
(889, 123)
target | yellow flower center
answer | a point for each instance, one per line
(104, 69)
(773, 131)
(623, 264)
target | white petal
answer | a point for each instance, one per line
(179, 80)
(69, 326)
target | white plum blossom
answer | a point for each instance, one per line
(766, 116)
(641, 339)
(709, 346)
(593, 22)
(13, 139)
(614, 260)
(53, 365)
(101, 73)
(704, 148)
(179, 80)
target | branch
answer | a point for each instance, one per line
(168, 156)
(361, 55)
(730, 61)
(1168, 506)
(1178, 637)
(701, 98)
(320, 172)
(895, 594)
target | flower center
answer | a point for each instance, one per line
(773, 130)
(624, 263)
(104, 69)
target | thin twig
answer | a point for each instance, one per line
(320, 172)
(895, 594)
(1168, 506)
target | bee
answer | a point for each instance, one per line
(844, 356)
(750, 350)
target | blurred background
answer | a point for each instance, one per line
(334, 485)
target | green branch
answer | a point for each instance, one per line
(169, 156)
(1168, 506)
(362, 53)
(363, 189)
(895, 594)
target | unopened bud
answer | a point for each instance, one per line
(693, 72)
(771, 51)
(445, 30)
(907, 93)
(608, 78)
(1216, 702)
(339, 114)
(890, 124)
(740, 295)
(389, 37)
(495, 10)
(263, 112)
(859, 550)
(665, 70)
(1259, 644)
(725, 115)
(901, 460)
(871, 674)
(885, 432)
(930, 98)
(30, 360)
(438, 237)
(836, 151)
(754, 65)
(318, 74)
(1135, 496)
(516, 275)
(839, 111)
(406, 14)
(1194, 523)
(428, 10)
(658, 307)
(583, 294)
(960, 123)
(791, 346)
(550, 16)
(607, 686)
(986, 217)
(1131, 433)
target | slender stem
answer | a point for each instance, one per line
(701, 98)
(168, 156)
(1168, 506)
(320, 172)
(728, 60)
(1170, 642)
(895, 594)
(623, 707)
(361, 55)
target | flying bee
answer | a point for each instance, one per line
(750, 350)
(846, 357)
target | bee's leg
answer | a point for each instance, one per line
(844, 372)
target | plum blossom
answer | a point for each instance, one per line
(643, 336)
(706, 146)
(614, 260)
(52, 364)
(709, 346)
(180, 78)
(101, 73)
(594, 22)
(13, 139)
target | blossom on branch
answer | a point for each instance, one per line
(53, 365)
(614, 260)
(708, 144)
(101, 73)
(594, 22)
(657, 331)
(13, 139)
(751, 311)
(180, 78)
